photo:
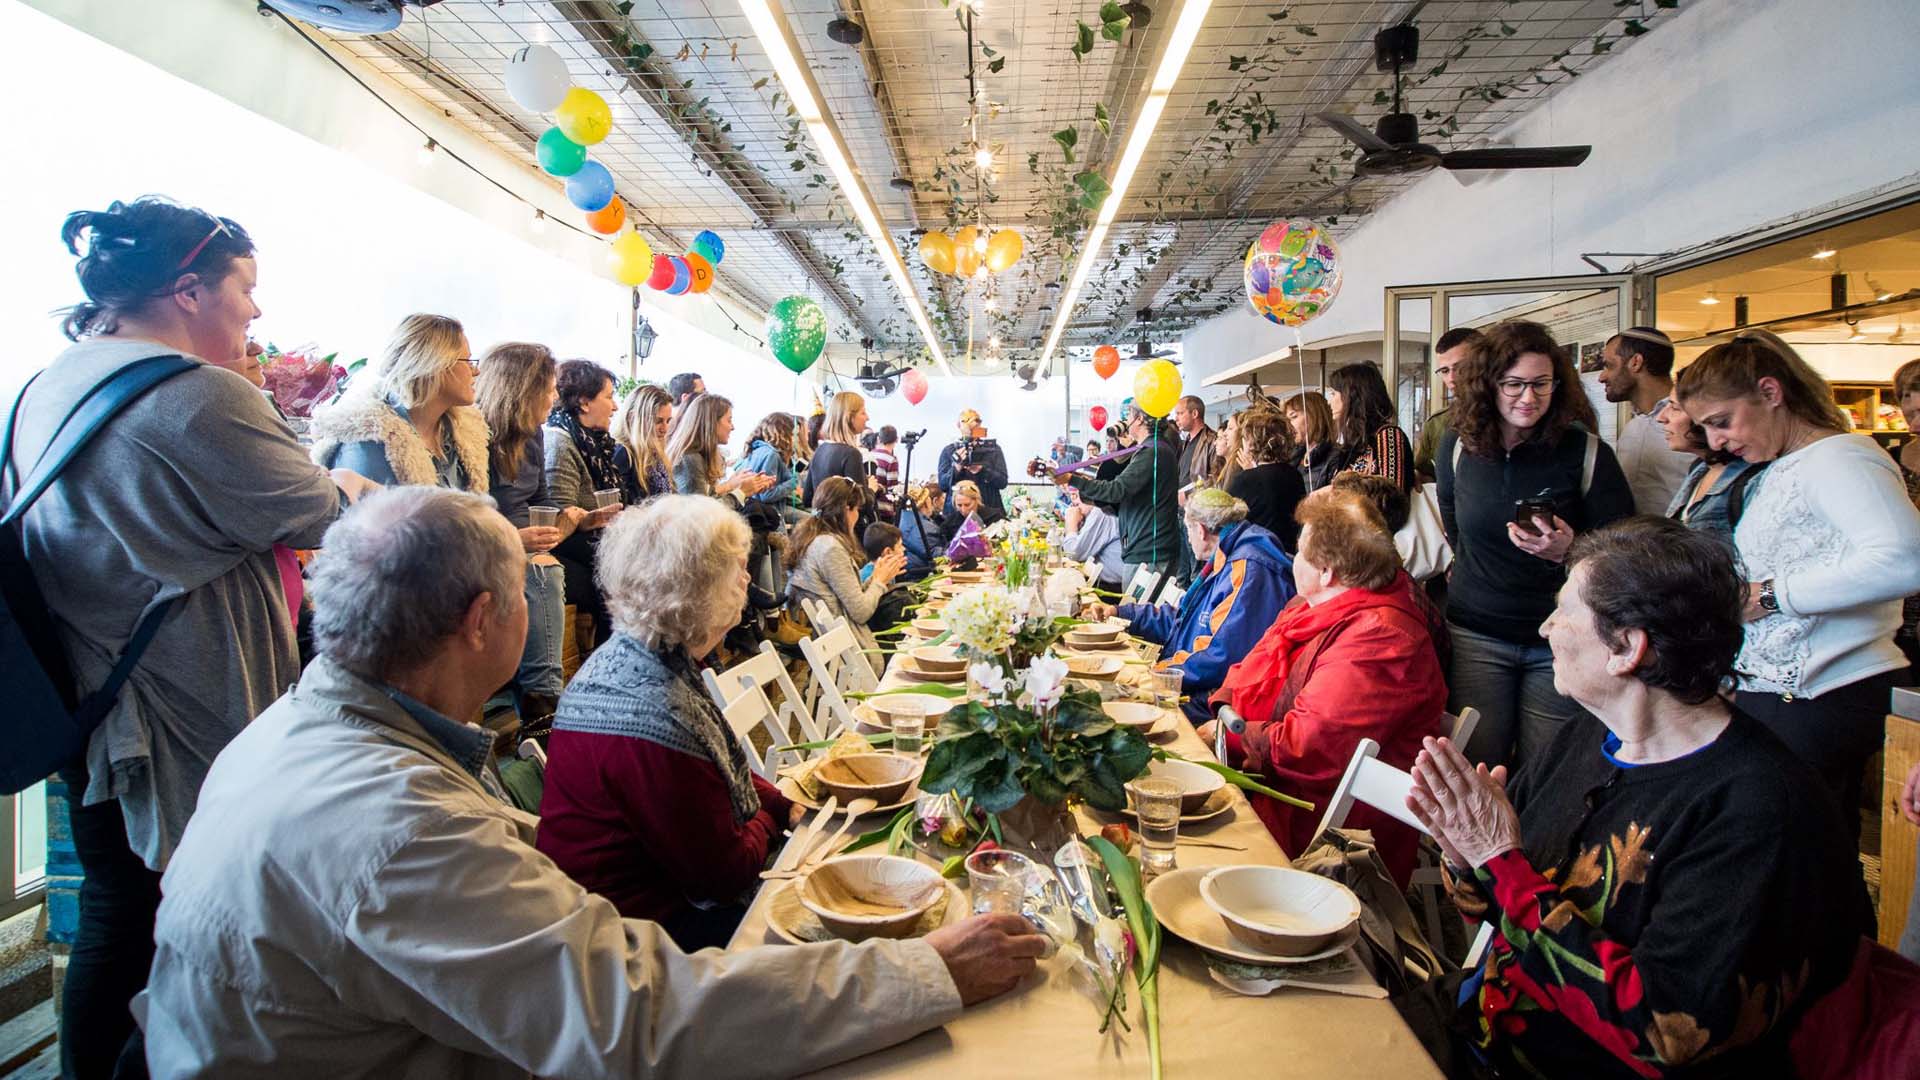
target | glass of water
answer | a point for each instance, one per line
(998, 881)
(1156, 803)
(1166, 687)
(908, 719)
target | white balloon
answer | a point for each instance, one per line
(537, 78)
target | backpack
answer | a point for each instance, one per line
(1587, 459)
(46, 726)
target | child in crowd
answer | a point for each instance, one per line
(880, 538)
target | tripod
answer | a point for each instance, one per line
(906, 500)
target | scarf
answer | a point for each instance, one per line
(597, 448)
(626, 688)
(1258, 685)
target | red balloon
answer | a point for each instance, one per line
(1097, 416)
(914, 386)
(1106, 361)
(662, 275)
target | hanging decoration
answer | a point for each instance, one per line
(608, 219)
(583, 116)
(1106, 361)
(1156, 387)
(591, 188)
(537, 79)
(913, 386)
(682, 276)
(1097, 417)
(700, 272)
(662, 275)
(710, 246)
(966, 257)
(1003, 250)
(559, 155)
(1292, 272)
(796, 332)
(631, 257)
(973, 248)
(936, 250)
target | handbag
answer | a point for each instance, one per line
(1393, 948)
(1423, 539)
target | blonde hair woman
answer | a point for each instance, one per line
(696, 448)
(838, 452)
(1827, 542)
(641, 430)
(414, 423)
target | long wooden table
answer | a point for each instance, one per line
(1048, 1027)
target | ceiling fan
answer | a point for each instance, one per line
(1393, 147)
(1143, 349)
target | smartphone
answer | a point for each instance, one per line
(873, 468)
(1526, 510)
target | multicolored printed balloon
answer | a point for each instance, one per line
(1292, 272)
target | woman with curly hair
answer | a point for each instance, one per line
(1521, 475)
(1263, 479)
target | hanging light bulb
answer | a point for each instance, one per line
(983, 158)
(425, 154)
(1710, 299)
(539, 221)
(993, 342)
(1825, 253)
(991, 305)
(980, 241)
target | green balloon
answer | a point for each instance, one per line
(796, 332)
(559, 155)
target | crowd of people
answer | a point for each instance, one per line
(299, 852)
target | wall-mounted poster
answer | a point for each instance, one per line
(1589, 354)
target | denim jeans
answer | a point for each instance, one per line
(112, 945)
(546, 591)
(1512, 686)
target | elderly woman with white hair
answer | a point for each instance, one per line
(649, 800)
(1244, 580)
(415, 423)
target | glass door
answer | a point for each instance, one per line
(1582, 312)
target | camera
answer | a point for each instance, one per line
(912, 438)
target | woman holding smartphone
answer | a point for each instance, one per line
(1520, 475)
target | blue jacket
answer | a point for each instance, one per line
(761, 457)
(1224, 613)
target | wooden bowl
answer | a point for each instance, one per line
(1197, 782)
(934, 707)
(857, 897)
(939, 659)
(1098, 668)
(1101, 633)
(1141, 716)
(929, 627)
(884, 778)
(1278, 910)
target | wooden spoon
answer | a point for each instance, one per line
(825, 851)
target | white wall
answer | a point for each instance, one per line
(1734, 114)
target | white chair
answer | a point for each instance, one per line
(1171, 594)
(822, 617)
(788, 722)
(534, 752)
(838, 668)
(752, 710)
(1460, 728)
(1141, 589)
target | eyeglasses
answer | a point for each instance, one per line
(472, 364)
(1514, 388)
(219, 227)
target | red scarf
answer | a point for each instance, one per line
(1254, 685)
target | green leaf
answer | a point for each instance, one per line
(760, 84)
(1635, 28)
(1235, 63)
(997, 787)
(1276, 16)
(997, 64)
(1380, 97)
(1068, 138)
(1083, 42)
(1115, 31)
(1093, 189)
(884, 833)
(624, 7)
(1304, 30)
(1101, 120)
(1670, 5)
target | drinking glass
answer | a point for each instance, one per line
(605, 497)
(542, 516)
(1156, 803)
(1166, 687)
(908, 719)
(998, 881)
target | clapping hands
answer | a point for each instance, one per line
(1465, 807)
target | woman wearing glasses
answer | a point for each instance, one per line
(1520, 475)
(414, 422)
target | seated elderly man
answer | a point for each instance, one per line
(1351, 658)
(1244, 581)
(351, 899)
(1670, 887)
(649, 801)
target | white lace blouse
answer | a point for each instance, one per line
(1832, 527)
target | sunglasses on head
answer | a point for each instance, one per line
(219, 227)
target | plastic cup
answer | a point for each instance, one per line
(605, 497)
(908, 720)
(997, 881)
(1166, 687)
(1156, 804)
(543, 516)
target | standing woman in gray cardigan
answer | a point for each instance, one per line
(696, 451)
(179, 501)
(580, 460)
(824, 559)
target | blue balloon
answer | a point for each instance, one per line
(682, 276)
(710, 246)
(591, 188)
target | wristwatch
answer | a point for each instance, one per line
(1768, 601)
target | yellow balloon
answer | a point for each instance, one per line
(936, 250)
(1156, 387)
(583, 116)
(966, 261)
(631, 258)
(966, 238)
(1004, 249)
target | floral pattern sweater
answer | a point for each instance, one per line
(1671, 919)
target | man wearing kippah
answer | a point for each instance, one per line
(1637, 368)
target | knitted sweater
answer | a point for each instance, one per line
(1661, 916)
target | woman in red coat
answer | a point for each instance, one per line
(1351, 658)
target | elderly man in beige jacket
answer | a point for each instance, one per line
(351, 899)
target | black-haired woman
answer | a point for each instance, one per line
(1370, 442)
(580, 463)
(171, 514)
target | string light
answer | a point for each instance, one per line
(983, 158)
(1825, 253)
(1710, 299)
(425, 154)
(539, 221)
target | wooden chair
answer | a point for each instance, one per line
(788, 722)
(1460, 728)
(838, 668)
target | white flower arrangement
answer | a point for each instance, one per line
(983, 619)
(1046, 680)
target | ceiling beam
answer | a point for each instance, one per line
(593, 20)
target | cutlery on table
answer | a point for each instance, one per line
(825, 851)
(797, 848)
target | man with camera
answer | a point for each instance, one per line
(974, 457)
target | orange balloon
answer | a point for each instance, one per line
(1106, 361)
(700, 272)
(607, 220)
